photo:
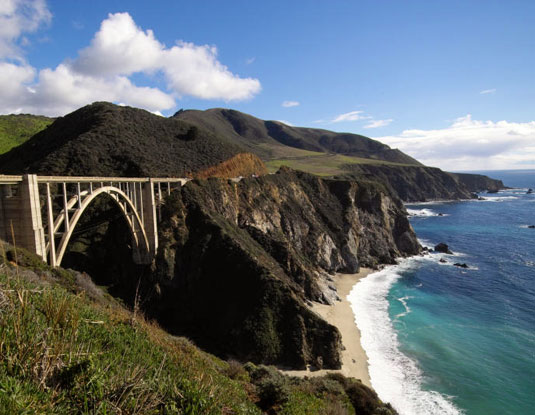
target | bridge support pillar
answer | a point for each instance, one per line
(29, 224)
(149, 217)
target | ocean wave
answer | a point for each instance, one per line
(436, 256)
(396, 378)
(424, 213)
(486, 198)
(430, 202)
(403, 301)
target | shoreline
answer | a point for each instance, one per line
(340, 315)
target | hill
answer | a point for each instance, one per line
(16, 129)
(271, 139)
(67, 347)
(103, 139)
(327, 153)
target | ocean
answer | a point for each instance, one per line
(441, 339)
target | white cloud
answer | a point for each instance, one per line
(18, 17)
(286, 122)
(378, 123)
(488, 91)
(350, 116)
(469, 144)
(288, 104)
(62, 90)
(101, 72)
(122, 48)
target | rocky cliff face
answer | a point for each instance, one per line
(239, 261)
(478, 182)
(414, 183)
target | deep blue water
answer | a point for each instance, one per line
(463, 341)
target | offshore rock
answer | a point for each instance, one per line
(443, 248)
(238, 262)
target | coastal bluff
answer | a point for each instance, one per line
(239, 261)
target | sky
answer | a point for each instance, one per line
(452, 83)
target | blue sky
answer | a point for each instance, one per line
(449, 82)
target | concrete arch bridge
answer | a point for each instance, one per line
(25, 200)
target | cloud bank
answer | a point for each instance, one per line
(103, 69)
(469, 144)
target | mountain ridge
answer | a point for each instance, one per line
(252, 132)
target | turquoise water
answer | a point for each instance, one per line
(445, 340)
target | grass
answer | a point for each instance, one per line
(62, 353)
(65, 350)
(323, 164)
(16, 129)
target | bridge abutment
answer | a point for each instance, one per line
(21, 221)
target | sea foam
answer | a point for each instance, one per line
(396, 378)
(423, 213)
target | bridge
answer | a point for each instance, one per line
(61, 200)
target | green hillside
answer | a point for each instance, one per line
(323, 164)
(16, 129)
(272, 140)
(67, 347)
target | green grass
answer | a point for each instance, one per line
(16, 129)
(322, 164)
(67, 348)
(62, 353)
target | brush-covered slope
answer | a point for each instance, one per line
(16, 129)
(66, 347)
(327, 153)
(265, 138)
(239, 261)
(103, 139)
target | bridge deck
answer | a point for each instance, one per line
(14, 179)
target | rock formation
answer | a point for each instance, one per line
(239, 261)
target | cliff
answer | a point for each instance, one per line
(422, 183)
(478, 182)
(239, 261)
(413, 183)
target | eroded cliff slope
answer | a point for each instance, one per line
(239, 261)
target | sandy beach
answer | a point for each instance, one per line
(354, 359)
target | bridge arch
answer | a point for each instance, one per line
(23, 204)
(140, 241)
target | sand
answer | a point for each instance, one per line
(354, 359)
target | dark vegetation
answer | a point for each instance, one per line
(66, 347)
(16, 129)
(103, 139)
